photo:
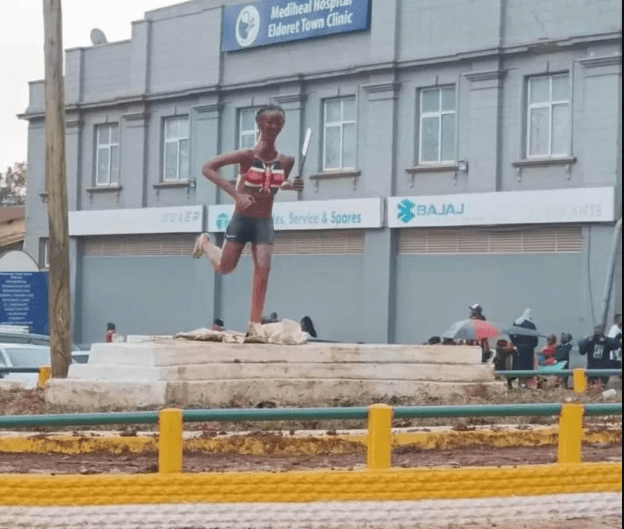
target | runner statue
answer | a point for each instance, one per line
(263, 171)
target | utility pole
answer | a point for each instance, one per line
(56, 184)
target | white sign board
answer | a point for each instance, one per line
(520, 207)
(187, 219)
(313, 215)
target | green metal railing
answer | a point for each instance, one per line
(379, 417)
(562, 373)
(299, 414)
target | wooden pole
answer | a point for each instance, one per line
(56, 183)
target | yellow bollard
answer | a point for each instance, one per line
(571, 433)
(380, 437)
(580, 381)
(170, 443)
(45, 374)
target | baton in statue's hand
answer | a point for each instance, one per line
(304, 151)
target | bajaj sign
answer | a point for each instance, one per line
(274, 21)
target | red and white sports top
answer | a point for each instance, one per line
(264, 177)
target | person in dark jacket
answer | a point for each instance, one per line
(564, 348)
(598, 349)
(476, 313)
(525, 344)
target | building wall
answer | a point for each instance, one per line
(327, 288)
(172, 66)
(132, 292)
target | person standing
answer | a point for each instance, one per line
(263, 171)
(525, 344)
(598, 349)
(614, 333)
(111, 330)
(476, 313)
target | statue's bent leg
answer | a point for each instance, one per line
(262, 255)
(223, 260)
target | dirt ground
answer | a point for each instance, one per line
(404, 457)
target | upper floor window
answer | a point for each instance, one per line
(248, 132)
(339, 134)
(107, 163)
(176, 149)
(548, 119)
(44, 255)
(438, 117)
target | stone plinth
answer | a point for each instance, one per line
(183, 373)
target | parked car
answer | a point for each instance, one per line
(20, 355)
(27, 338)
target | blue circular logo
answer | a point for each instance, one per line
(222, 221)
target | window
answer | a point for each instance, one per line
(248, 132)
(548, 119)
(437, 125)
(44, 258)
(107, 162)
(176, 149)
(339, 136)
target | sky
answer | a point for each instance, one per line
(21, 53)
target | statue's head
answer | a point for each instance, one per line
(271, 120)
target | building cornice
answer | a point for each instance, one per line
(372, 68)
(597, 62)
(486, 75)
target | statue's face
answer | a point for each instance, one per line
(271, 124)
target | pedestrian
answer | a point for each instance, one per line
(564, 348)
(598, 348)
(614, 333)
(273, 318)
(525, 343)
(308, 326)
(504, 359)
(263, 171)
(476, 313)
(110, 332)
(218, 325)
(548, 356)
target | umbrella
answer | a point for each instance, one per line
(471, 330)
(479, 330)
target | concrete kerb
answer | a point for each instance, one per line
(292, 443)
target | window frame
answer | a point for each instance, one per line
(550, 104)
(342, 123)
(45, 254)
(438, 114)
(108, 147)
(177, 140)
(242, 132)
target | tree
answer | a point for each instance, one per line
(56, 186)
(13, 185)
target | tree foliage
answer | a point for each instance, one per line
(13, 185)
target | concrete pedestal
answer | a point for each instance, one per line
(165, 371)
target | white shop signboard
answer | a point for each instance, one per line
(519, 207)
(186, 219)
(311, 215)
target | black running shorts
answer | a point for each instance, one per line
(244, 229)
